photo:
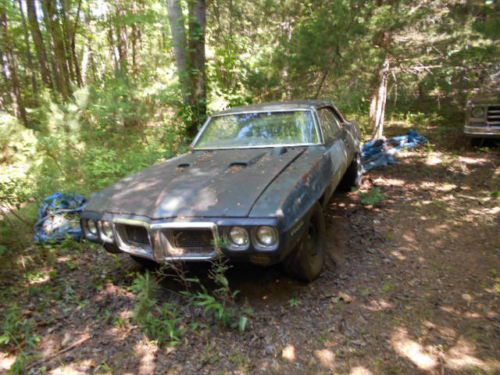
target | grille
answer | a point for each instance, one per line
(493, 115)
(136, 235)
(193, 239)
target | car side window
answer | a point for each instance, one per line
(329, 124)
(337, 115)
(325, 126)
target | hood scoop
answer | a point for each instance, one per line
(183, 166)
(240, 164)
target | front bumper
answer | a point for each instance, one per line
(482, 131)
(160, 248)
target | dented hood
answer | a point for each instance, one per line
(215, 183)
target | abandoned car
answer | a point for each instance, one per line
(483, 111)
(253, 188)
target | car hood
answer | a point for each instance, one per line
(485, 98)
(218, 183)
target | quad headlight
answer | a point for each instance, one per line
(239, 237)
(477, 112)
(90, 228)
(106, 231)
(266, 236)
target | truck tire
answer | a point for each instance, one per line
(307, 259)
(353, 175)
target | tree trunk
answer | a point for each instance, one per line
(321, 83)
(10, 62)
(38, 42)
(74, 56)
(54, 27)
(29, 56)
(190, 58)
(378, 102)
(66, 37)
(121, 39)
(5, 97)
(197, 25)
(180, 46)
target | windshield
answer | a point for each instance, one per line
(259, 129)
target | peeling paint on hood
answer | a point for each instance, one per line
(218, 183)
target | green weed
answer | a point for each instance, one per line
(221, 304)
(388, 287)
(17, 331)
(160, 323)
(372, 197)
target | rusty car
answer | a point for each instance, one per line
(482, 118)
(253, 188)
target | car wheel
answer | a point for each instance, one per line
(145, 263)
(111, 248)
(307, 259)
(353, 175)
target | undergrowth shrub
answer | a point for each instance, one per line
(16, 330)
(167, 322)
(220, 304)
(160, 322)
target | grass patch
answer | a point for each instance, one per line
(372, 197)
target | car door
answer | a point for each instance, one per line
(336, 146)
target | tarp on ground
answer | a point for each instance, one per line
(59, 218)
(382, 152)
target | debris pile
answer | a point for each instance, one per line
(382, 152)
(59, 217)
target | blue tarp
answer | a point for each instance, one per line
(59, 217)
(381, 152)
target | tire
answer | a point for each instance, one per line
(145, 263)
(307, 259)
(111, 248)
(353, 175)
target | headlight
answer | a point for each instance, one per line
(92, 227)
(477, 112)
(106, 231)
(267, 236)
(239, 236)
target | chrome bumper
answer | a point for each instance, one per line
(482, 131)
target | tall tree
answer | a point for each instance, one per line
(60, 57)
(38, 42)
(29, 56)
(196, 46)
(11, 66)
(190, 57)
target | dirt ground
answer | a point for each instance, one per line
(415, 290)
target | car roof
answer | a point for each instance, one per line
(276, 106)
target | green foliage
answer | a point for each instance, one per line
(160, 323)
(163, 322)
(16, 330)
(19, 366)
(372, 197)
(145, 288)
(221, 303)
